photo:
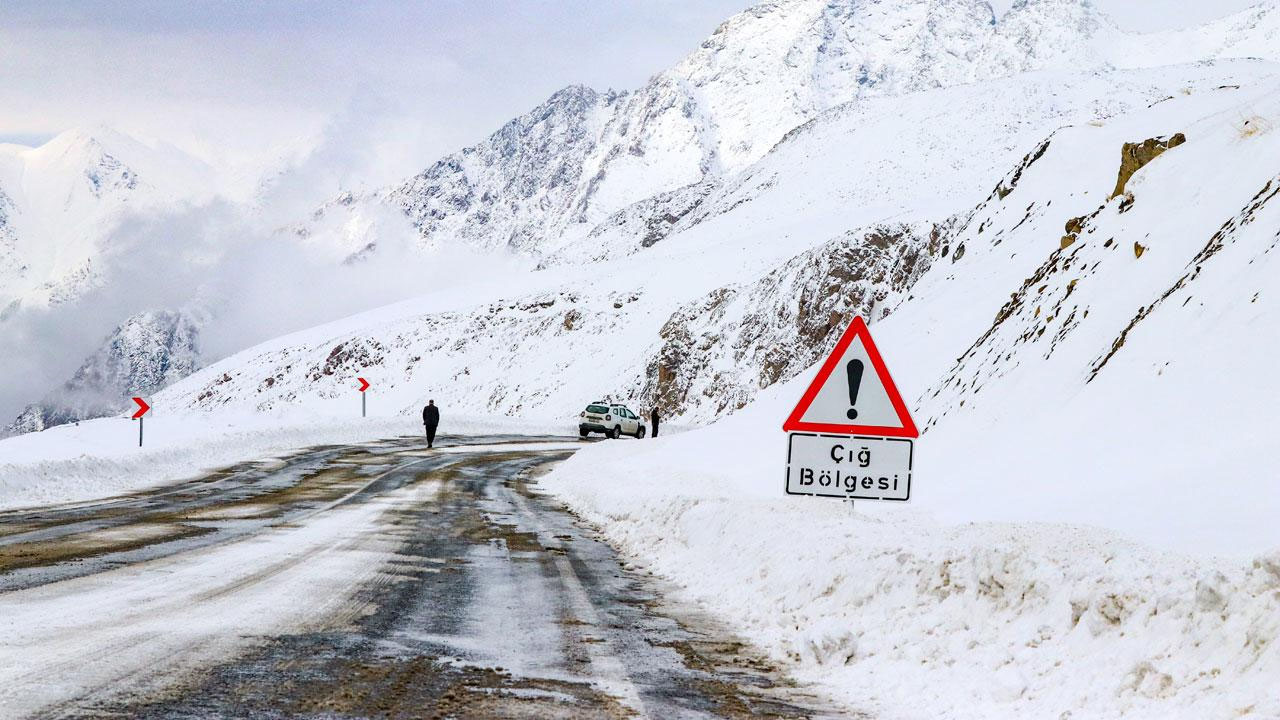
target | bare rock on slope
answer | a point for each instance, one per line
(1133, 156)
(717, 353)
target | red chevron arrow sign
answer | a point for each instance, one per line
(143, 407)
(364, 385)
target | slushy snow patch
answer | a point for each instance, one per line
(101, 458)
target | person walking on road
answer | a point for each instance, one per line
(431, 420)
(653, 420)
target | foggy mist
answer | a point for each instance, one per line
(243, 280)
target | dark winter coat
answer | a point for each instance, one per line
(431, 415)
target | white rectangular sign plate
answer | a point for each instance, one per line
(843, 466)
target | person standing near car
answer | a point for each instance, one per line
(431, 421)
(653, 420)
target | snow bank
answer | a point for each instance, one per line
(907, 617)
(99, 458)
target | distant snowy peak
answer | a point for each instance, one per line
(147, 352)
(60, 202)
(491, 193)
(73, 171)
(101, 163)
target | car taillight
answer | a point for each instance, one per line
(606, 417)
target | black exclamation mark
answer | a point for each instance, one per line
(854, 370)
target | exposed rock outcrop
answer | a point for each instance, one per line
(1134, 156)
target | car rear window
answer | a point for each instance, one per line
(601, 409)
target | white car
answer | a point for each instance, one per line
(611, 419)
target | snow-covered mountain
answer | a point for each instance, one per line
(844, 216)
(1136, 260)
(552, 178)
(146, 353)
(60, 202)
(752, 172)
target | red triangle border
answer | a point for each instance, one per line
(857, 329)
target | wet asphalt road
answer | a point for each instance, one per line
(465, 593)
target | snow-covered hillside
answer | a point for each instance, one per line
(1129, 330)
(1091, 362)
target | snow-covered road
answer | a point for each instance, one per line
(363, 580)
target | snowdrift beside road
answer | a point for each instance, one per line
(904, 616)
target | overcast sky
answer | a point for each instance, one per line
(406, 83)
(238, 77)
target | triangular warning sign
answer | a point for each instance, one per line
(853, 393)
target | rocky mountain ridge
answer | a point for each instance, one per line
(549, 181)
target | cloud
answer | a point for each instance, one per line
(248, 279)
(367, 144)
